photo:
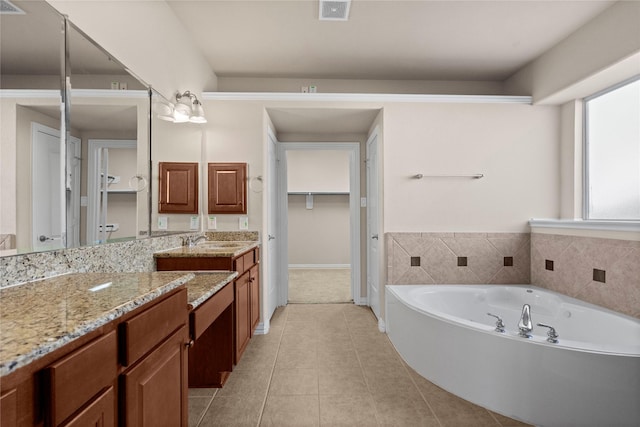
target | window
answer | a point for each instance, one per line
(612, 150)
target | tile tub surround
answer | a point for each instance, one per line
(132, 256)
(428, 258)
(40, 317)
(574, 260)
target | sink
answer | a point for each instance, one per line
(222, 245)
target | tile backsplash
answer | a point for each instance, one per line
(604, 272)
(458, 258)
(131, 256)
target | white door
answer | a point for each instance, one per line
(373, 270)
(74, 164)
(272, 229)
(47, 183)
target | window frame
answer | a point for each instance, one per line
(585, 149)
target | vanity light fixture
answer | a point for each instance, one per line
(188, 108)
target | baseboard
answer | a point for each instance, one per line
(382, 327)
(261, 329)
(319, 265)
(361, 301)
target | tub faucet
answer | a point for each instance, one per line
(499, 323)
(524, 325)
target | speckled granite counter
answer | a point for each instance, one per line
(39, 317)
(205, 284)
(209, 249)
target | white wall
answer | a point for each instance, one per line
(319, 236)
(317, 170)
(516, 147)
(561, 73)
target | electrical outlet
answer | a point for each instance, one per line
(194, 224)
(163, 222)
(212, 224)
(313, 89)
(244, 222)
(305, 89)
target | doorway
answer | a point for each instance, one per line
(309, 191)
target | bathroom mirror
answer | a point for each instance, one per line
(52, 193)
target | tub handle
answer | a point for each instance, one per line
(499, 324)
(552, 336)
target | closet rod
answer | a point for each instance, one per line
(474, 176)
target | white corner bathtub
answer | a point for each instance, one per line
(591, 377)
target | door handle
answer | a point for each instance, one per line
(271, 237)
(375, 236)
(44, 238)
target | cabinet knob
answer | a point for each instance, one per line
(189, 344)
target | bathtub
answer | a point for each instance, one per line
(591, 377)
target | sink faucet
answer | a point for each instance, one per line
(191, 241)
(524, 325)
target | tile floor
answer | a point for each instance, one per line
(319, 285)
(327, 365)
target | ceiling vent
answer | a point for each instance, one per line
(8, 8)
(334, 10)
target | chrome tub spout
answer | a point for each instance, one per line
(525, 326)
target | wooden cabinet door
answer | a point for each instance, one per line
(178, 187)
(100, 413)
(9, 408)
(243, 312)
(155, 389)
(254, 283)
(227, 188)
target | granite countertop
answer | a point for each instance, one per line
(205, 284)
(209, 249)
(41, 316)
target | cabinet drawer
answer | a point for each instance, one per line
(248, 259)
(238, 264)
(209, 310)
(78, 377)
(146, 330)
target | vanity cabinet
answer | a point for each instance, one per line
(84, 378)
(211, 325)
(153, 388)
(246, 289)
(129, 372)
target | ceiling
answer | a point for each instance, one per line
(417, 40)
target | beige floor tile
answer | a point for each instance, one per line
(301, 359)
(403, 410)
(233, 411)
(342, 381)
(294, 382)
(453, 411)
(347, 411)
(202, 392)
(197, 406)
(291, 411)
(508, 422)
(248, 382)
(337, 359)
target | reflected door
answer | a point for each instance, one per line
(47, 208)
(373, 226)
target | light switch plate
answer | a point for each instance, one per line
(244, 223)
(163, 222)
(363, 202)
(194, 224)
(212, 224)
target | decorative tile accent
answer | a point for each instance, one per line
(508, 261)
(599, 275)
(548, 264)
(462, 261)
(577, 259)
(415, 261)
(439, 254)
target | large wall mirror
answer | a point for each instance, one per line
(75, 174)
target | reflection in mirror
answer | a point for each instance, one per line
(109, 115)
(30, 143)
(45, 187)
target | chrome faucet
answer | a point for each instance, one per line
(524, 325)
(552, 335)
(499, 323)
(191, 241)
